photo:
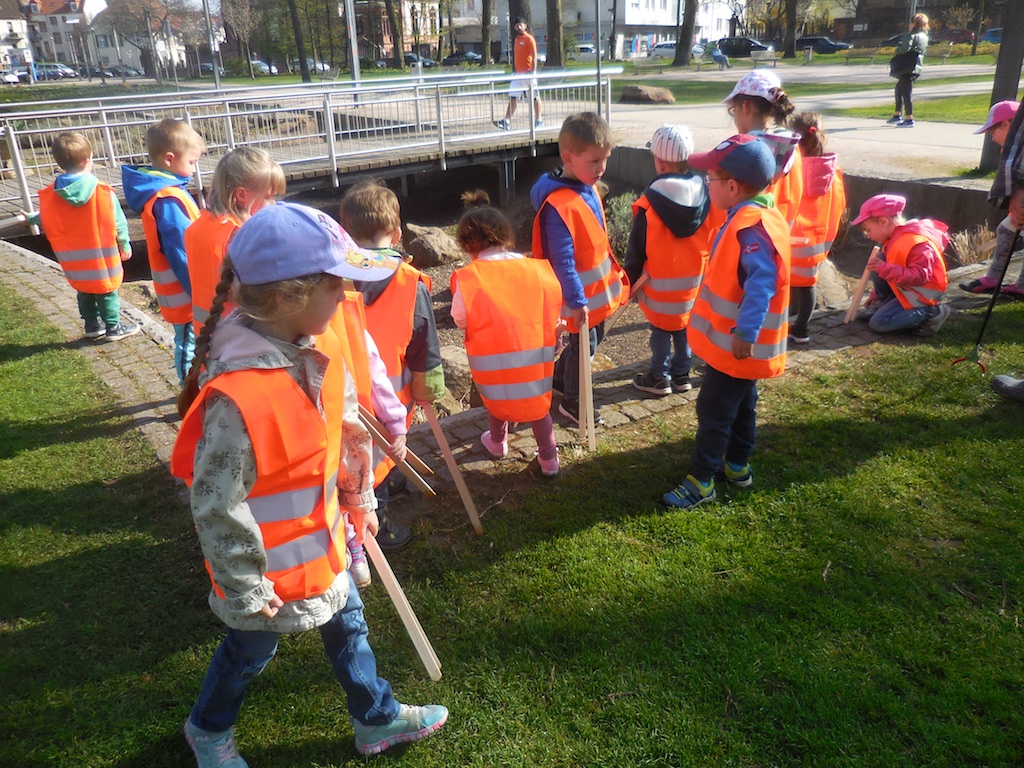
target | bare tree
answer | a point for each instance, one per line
(397, 38)
(243, 17)
(555, 56)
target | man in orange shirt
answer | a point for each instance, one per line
(524, 66)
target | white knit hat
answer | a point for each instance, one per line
(671, 143)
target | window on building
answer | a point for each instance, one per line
(53, 20)
(102, 42)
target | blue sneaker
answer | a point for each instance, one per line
(94, 329)
(213, 749)
(690, 493)
(412, 724)
(740, 475)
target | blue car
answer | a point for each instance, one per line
(994, 35)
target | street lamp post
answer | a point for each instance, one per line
(212, 44)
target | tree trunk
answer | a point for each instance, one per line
(611, 33)
(555, 56)
(328, 8)
(684, 34)
(487, 10)
(397, 39)
(1008, 67)
(520, 9)
(789, 39)
(300, 44)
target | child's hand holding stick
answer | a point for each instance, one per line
(861, 287)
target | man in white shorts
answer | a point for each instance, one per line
(524, 66)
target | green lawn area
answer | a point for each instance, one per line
(861, 605)
(947, 109)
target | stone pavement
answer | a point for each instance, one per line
(138, 370)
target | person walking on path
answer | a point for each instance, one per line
(906, 67)
(524, 67)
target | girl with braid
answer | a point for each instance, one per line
(276, 458)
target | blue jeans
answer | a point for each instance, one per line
(567, 366)
(726, 423)
(184, 349)
(244, 655)
(664, 364)
(891, 316)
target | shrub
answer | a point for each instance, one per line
(618, 212)
(972, 245)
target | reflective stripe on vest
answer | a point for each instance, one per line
(84, 239)
(674, 267)
(718, 303)
(175, 304)
(897, 251)
(600, 275)
(817, 222)
(512, 308)
(297, 449)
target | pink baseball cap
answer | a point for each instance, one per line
(1001, 112)
(880, 205)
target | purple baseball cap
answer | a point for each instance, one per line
(744, 157)
(1001, 112)
(880, 205)
(286, 240)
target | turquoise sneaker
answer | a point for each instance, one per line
(740, 475)
(412, 724)
(690, 493)
(213, 749)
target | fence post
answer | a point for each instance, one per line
(329, 133)
(109, 141)
(19, 172)
(199, 173)
(440, 128)
(228, 124)
(416, 107)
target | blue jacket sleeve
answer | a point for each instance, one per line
(758, 277)
(171, 223)
(557, 246)
(636, 249)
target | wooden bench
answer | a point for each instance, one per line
(763, 57)
(650, 66)
(862, 53)
(707, 61)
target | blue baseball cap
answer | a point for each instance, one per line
(744, 157)
(287, 240)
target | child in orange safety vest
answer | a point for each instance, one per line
(821, 212)
(245, 180)
(276, 458)
(509, 307)
(158, 193)
(740, 320)
(87, 230)
(669, 242)
(909, 276)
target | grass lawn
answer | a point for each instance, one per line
(948, 109)
(861, 605)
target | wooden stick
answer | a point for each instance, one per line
(415, 461)
(405, 612)
(453, 468)
(587, 433)
(383, 443)
(633, 291)
(858, 294)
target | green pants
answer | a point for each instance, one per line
(99, 307)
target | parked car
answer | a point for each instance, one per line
(821, 44)
(48, 70)
(115, 71)
(663, 50)
(314, 66)
(994, 35)
(414, 58)
(206, 68)
(461, 57)
(7, 77)
(953, 36)
(585, 52)
(262, 68)
(85, 71)
(738, 47)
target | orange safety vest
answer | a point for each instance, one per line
(390, 322)
(896, 252)
(297, 452)
(84, 239)
(788, 190)
(674, 267)
(814, 231)
(206, 244)
(512, 309)
(175, 304)
(718, 303)
(605, 285)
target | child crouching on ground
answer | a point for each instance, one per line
(509, 307)
(276, 457)
(739, 323)
(909, 276)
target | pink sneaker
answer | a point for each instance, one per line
(549, 467)
(983, 284)
(1012, 290)
(497, 450)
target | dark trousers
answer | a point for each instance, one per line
(805, 297)
(567, 366)
(904, 92)
(726, 422)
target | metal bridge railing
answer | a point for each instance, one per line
(319, 127)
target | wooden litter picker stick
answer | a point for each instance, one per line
(414, 461)
(633, 291)
(858, 294)
(382, 441)
(587, 433)
(405, 612)
(453, 468)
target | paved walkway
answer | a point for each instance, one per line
(138, 371)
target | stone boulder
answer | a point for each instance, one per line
(832, 290)
(646, 94)
(457, 378)
(431, 246)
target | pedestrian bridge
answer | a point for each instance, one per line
(322, 134)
